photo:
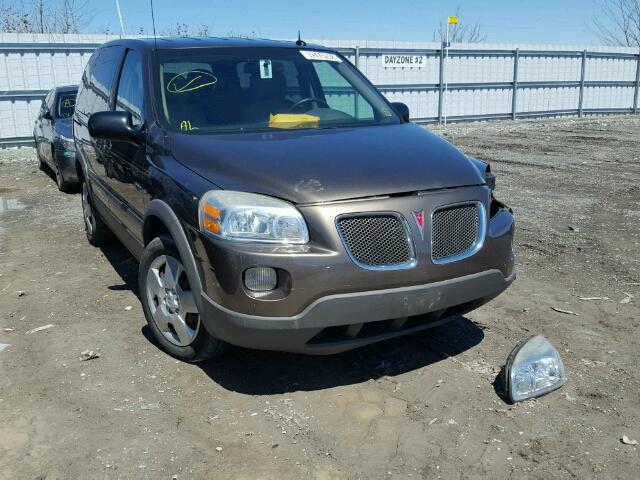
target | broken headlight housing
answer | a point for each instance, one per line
(533, 368)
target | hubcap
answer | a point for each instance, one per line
(171, 301)
(86, 210)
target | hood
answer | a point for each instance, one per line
(62, 126)
(308, 166)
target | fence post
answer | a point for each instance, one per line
(582, 75)
(356, 61)
(441, 91)
(635, 92)
(514, 95)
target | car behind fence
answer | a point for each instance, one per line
(463, 82)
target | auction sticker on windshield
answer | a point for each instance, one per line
(404, 61)
(327, 57)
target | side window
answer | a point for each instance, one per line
(130, 89)
(82, 100)
(340, 95)
(46, 103)
(101, 77)
(50, 100)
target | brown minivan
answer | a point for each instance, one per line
(276, 200)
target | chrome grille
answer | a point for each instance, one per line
(455, 231)
(376, 241)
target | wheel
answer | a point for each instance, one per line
(169, 304)
(96, 230)
(63, 185)
(41, 165)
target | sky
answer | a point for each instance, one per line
(523, 21)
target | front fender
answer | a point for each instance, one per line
(158, 210)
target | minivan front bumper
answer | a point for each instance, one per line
(326, 303)
(418, 307)
(66, 160)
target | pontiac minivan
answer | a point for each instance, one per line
(276, 200)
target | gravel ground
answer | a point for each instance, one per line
(423, 406)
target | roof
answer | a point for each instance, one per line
(66, 88)
(208, 42)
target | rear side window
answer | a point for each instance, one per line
(130, 90)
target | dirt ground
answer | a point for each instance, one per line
(423, 406)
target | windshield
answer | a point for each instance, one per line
(257, 89)
(66, 104)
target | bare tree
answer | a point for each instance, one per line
(39, 7)
(13, 21)
(73, 16)
(461, 32)
(618, 22)
(181, 29)
(46, 16)
(202, 30)
(240, 34)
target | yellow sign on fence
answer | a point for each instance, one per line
(453, 20)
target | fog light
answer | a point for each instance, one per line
(533, 368)
(260, 279)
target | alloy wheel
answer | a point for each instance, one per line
(87, 212)
(58, 174)
(171, 300)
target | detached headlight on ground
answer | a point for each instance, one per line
(533, 368)
(251, 217)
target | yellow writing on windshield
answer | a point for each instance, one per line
(186, 126)
(190, 81)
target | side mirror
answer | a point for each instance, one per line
(116, 126)
(46, 114)
(402, 110)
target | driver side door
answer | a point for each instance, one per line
(129, 173)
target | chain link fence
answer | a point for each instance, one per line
(462, 82)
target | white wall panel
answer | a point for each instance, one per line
(32, 64)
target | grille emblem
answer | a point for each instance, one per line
(419, 218)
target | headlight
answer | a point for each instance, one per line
(533, 368)
(67, 143)
(251, 217)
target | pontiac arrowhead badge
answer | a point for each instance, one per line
(419, 218)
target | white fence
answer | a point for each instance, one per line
(463, 82)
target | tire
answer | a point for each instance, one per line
(62, 184)
(41, 165)
(98, 233)
(169, 304)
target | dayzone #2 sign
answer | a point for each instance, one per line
(404, 61)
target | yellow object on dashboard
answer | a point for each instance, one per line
(293, 120)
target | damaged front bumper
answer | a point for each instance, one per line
(325, 303)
